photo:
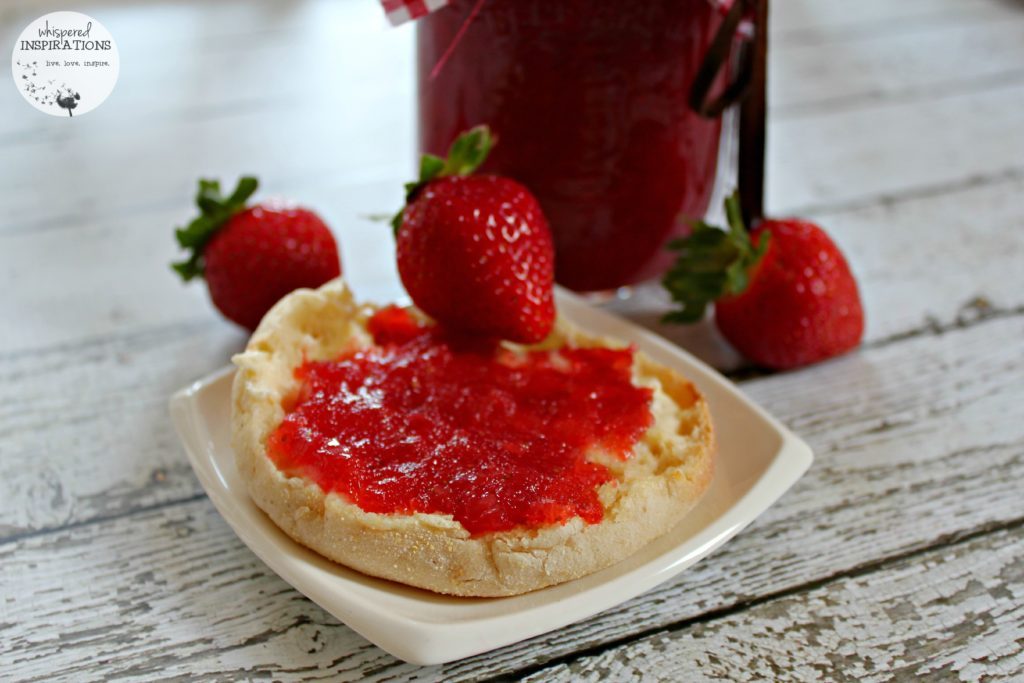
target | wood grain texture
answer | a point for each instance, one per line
(952, 614)
(65, 459)
(835, 21)
(920, 445)
(897, 152)
(818, 70)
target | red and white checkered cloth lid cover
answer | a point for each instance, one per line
(401, 11)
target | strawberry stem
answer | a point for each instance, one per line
(467, 153)
(214, 212)
(712, 263)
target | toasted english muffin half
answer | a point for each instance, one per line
(667, 472)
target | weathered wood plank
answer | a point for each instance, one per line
(84, 428)
(809, 78)
(921, 444)
(890, 150)
(147, 596)
(952, 614)
(830, 22)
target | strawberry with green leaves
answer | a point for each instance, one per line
(784, 294)
(475, 251)
(251, 256)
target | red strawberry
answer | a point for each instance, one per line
(789, 301)
(253, 256)
(475, 252)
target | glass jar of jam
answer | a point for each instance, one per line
(589, 100)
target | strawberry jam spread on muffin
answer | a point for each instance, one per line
(456, 462)
(426, 421)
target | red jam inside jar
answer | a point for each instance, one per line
(425, 422)
(589, 101)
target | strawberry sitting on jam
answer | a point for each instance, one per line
(475, 251)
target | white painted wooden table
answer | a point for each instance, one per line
(898, 125)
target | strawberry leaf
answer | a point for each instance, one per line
(396, 221)
(711, 263)
(246, 187)
(214, 212)
(430, 168)
(187, 269)
(208, 198)
(194, 234)
(469, 151)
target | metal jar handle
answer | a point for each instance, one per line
(749, 86)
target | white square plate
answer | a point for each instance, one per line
(758, 460)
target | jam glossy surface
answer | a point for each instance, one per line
(590, 105)
(422, 422)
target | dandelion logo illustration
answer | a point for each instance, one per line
(65, 64)
(67, 99)
(45, 93)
